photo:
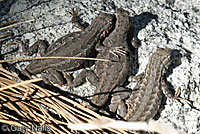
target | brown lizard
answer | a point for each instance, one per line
(78, 44)
(114, 73)
(145, 99)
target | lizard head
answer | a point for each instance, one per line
(168, 57)
(164, 56)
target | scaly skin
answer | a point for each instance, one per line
(146, 97)
(113, 74)
(79, 44)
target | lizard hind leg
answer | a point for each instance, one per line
(117, 103)
(52, 76)
(136, 78)
(81, 78)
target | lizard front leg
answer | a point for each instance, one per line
(51, 76)
(39, 46)
(81, 78)
(169, 94)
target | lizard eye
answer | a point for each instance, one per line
(176, 57)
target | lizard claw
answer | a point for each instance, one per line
(76, 20)
(74, 12)
(179, 99)
(118, 51)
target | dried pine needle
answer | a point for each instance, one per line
(33, 104)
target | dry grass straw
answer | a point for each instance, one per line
(15, 24)
(57, 57)
(26, 104)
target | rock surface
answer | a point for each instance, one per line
(158, 23)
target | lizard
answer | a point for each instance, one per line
(112, 74)
(145, 99)
(78, 44)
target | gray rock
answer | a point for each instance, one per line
(162, 23)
